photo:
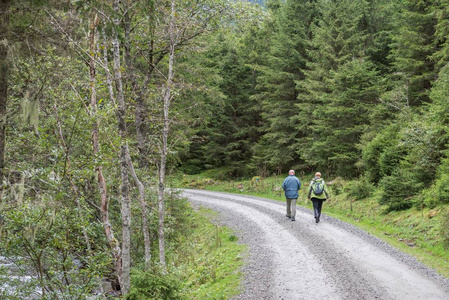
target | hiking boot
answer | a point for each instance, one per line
(288, 216)
(293, 218)
(317, 219)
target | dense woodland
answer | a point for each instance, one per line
(101, 100)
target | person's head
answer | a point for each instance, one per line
(318, 175)
(291, 172)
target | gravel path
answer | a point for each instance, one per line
(303, 260)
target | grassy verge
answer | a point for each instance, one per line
(203, 259)
(209, 259)
(414, 231)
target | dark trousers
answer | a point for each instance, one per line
(317, 204)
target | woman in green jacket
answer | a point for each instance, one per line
(318, 194)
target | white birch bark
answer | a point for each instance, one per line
(104, 201)
(165, 132)
(124, 186)
(4, 73)
(140, 140)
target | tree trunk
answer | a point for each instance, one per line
(4, 73)
(140, 139)
(165, 130)
(126, 203)
(143, 205)
(104, 201)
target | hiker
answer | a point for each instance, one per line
(291, 186)
(318, 195)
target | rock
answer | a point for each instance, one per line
(432, 214)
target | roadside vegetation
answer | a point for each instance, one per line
(206, 260)
(420, 231)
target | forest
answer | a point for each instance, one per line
(102, 101)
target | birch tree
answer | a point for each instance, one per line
(140, 134)
(4, 30)
(104, 200)
(167, 96)
(124, 186)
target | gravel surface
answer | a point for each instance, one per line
(304, 260)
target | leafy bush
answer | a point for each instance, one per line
(398, 190)
(438, 193)
(442, 189)
(153, 285)
(47, 245)
(360, 189)
(337, 185)
(428, 197)
(380, 156)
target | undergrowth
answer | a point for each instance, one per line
(204, 261)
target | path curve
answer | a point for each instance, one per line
(303, 260)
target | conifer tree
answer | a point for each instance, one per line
(232, 128)
(339, 88)
(412, 48)
(276, 89)
(442, 33)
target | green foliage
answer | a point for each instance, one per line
(398, 190)
(340, 89)
(438, 193)
(413, 43)
(209, 259)
(338, 185)
(360, 188)
(280, 68)
(441, 32)
(224, 137)
(381, 155)
(340, 123)
(154, 285)
(49, 242)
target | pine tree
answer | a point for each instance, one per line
(225, 137)
(412, 48)
(340, 87)
(276, 89)
(441, 33)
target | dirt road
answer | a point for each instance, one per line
(304, 260)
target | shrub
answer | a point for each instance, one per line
(360, 188)
(381, 155)
(337, 185)
(398, 190)
(442, 189)
(428, 197)
(152, 285)
(438, 193)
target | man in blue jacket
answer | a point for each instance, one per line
(291, 186)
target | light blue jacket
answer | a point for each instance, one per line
(291, 186)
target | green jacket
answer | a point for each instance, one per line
(323, 196)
